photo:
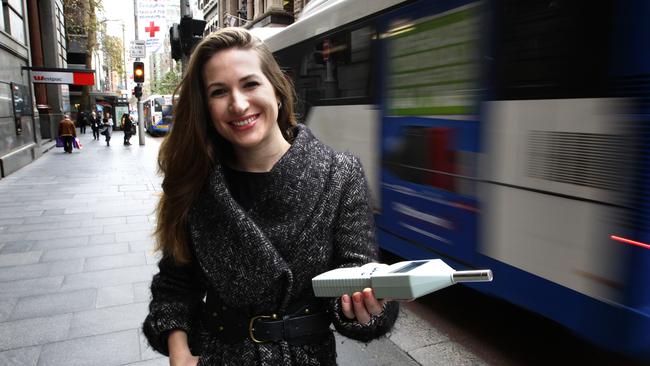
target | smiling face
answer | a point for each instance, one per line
(242, 102)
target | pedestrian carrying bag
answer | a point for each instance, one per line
(134, 129)
(59, 142)
(104, 131)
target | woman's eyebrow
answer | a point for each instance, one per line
(221, 84)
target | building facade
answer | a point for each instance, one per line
(20, 130)
(249, 13)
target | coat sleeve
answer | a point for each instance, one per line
(354, 245)
(177, 293)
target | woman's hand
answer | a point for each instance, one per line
(361, 306)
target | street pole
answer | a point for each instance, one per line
(186, 11)
(126, 85)
(140, 111)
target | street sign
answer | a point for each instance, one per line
(62, 76)
(138, 49)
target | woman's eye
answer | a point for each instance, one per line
(251, 84)
(218, 92)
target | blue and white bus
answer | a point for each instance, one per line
(157, 111)
(503, 134)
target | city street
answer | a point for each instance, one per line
(76, 262)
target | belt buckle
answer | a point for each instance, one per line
(251, 329)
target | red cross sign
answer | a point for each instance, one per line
(152, 29)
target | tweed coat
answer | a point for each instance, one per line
(312, 216)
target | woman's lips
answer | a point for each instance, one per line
(244, 123)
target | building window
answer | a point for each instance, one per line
(13, 19)
(60, 30)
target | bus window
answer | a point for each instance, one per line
(551, 49)
(331, 70)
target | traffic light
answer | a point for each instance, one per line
(137, 91)
(191, 32)
(138, 72)
(175, 42)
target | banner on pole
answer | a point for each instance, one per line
(152, 24)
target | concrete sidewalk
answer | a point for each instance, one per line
(76, 263)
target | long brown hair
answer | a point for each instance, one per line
(193, 147)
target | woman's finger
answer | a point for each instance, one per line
(346, 306)
(373, 305)
(360, 310)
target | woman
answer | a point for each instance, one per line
(95, 125)
(108, 128)
(253, 207)
(127, 127)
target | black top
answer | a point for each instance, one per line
(245, 186)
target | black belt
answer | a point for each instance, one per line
(301, 327)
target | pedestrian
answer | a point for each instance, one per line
(108, 127)
(253, 207)
(127, 127)
(95, 125)
(82, 121)
(67, 132)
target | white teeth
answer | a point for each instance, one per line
(245, 122)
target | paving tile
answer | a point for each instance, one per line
(18, 214)
(143, 245)
(114, 261)
(53, 212)
(153, 258)
(7, 305)
(103, 350)
(107, 320)
(17, 259)
(412, 332)
(11, 221)
(127, 228)
(27, 356)
(115, 295)
(55, 219)
(84, 252)
(117, 212)
(380, 351)
(32, 332)
(102, 239)
(24, 272)
(52, 304)
(19, 246)
(64, 233)
(110, 277)
(40, 226)
(34, 286)
(137, 220)
(444, 354)
(142, 291)
(7, 237)
(132, 187)
(162, 361)
(65, 267)
(134, 235)
(146, 351)
(104, 221)
(70, 242)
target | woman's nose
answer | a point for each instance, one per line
(238, 103)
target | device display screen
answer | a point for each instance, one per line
(409, 267)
